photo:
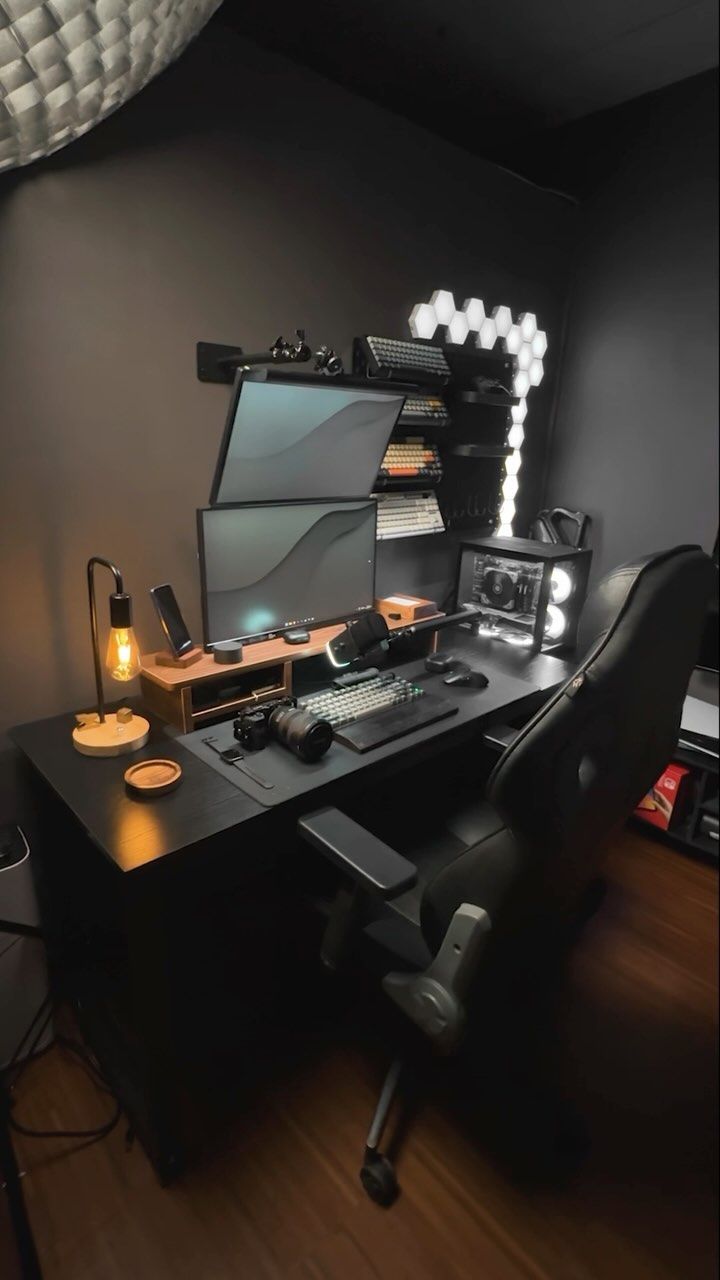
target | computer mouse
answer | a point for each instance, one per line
(469, 679)
(439, 662)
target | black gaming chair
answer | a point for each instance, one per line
(529, 851)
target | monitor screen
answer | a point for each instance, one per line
(265, 568)
(290, 439)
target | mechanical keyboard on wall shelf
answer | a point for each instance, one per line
(424, 411)
(400, 360)
(376, 710)
(411, 461)
(407, 515)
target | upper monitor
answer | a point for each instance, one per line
(291, 438)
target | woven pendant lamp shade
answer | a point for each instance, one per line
(66, 64)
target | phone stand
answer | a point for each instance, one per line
(167, 659)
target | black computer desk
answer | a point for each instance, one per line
(129, 888)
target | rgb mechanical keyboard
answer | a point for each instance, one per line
(424, 411)
(400, 360)
(377, 710)
(411, 459)
(344, 706)
(407, 515)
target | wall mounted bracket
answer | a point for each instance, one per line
(217, 362)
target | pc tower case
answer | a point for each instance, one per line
(531, 593)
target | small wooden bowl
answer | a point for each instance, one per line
(153, 777)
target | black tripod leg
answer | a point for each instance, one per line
(16, 1201)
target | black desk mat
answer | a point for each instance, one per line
(286, 777)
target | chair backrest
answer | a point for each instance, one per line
(576, 771)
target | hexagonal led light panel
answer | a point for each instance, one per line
(423, 321)
(521, 339)
(539, 344)
(513, 340)
(444, 304)
(487, 337)
(503, 321)
(475, 312)
(458, 328)
(521, 383)
(66, 64)
(528, 326)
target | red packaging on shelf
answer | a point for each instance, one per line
(666, 801)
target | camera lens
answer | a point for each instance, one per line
(301, 732)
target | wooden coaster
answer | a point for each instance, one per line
(153, 777)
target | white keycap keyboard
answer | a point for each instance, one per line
(407, 515)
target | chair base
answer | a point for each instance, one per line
(379, 1179)
(377, 1174)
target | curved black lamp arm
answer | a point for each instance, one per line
(94, 624)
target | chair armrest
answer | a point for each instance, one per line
(369, 861)
(499, 736)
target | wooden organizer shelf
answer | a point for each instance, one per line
(193, 696)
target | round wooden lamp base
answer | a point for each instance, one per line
(112, 737)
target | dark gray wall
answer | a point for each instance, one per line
(636, 433)
(235, 198)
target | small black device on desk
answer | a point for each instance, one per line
(455, 671)
(463, 675)
(297, 635)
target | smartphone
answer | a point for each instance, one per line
(171, 619)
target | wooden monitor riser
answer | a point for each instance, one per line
(168, 691)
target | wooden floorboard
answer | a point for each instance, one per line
(631, 1055)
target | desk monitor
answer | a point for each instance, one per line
(292, 438)
(267, 567)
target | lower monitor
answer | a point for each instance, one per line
(266, 567)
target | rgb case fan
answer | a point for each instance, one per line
(498, 588)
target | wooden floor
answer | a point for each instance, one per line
(631, 1056)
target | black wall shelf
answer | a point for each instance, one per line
(499, 401)
(481, 450)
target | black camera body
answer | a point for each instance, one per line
(282, 720)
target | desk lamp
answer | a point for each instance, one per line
(104, 733)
